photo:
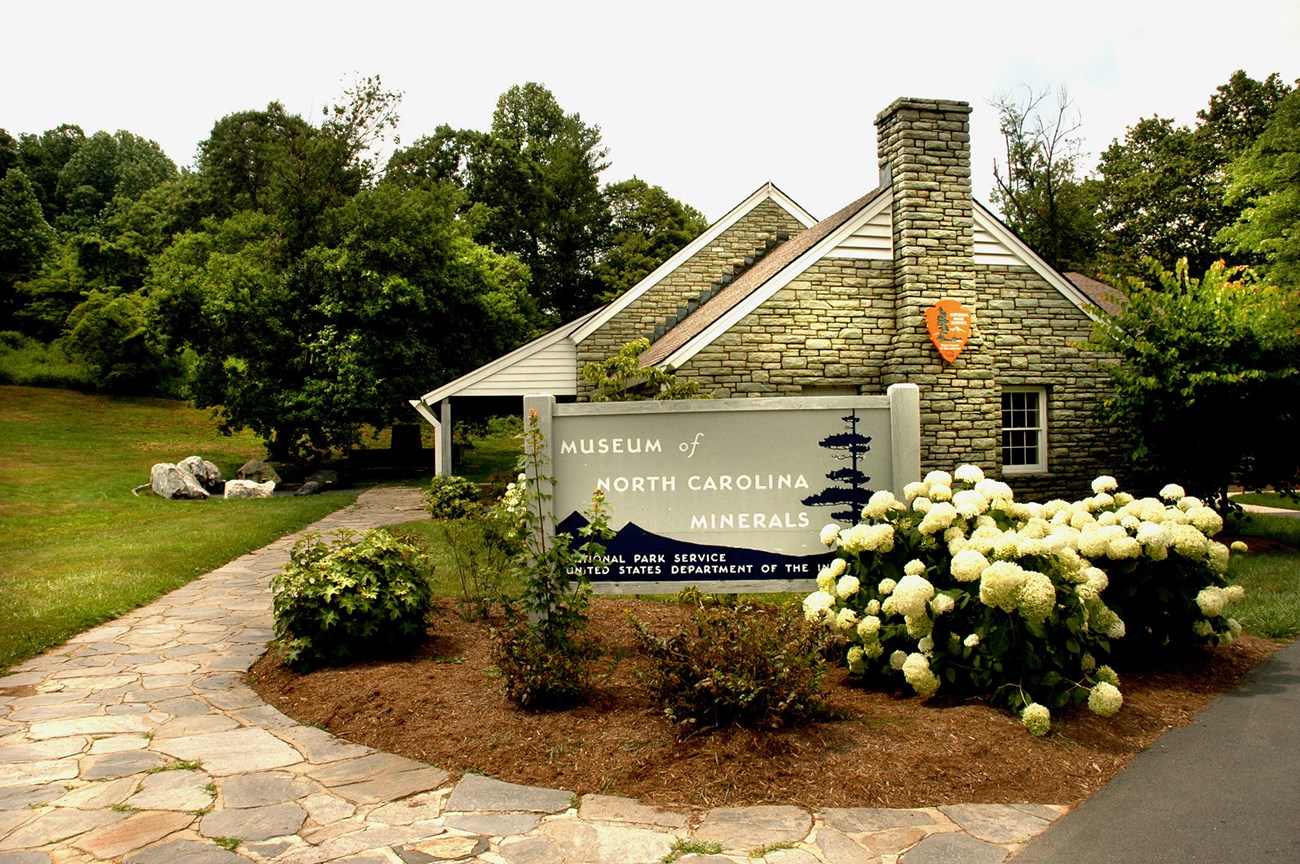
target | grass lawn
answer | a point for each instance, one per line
(76, 548)
(1268, 499)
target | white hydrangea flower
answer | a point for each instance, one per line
(1122, 548)
(873, 607)
(916, 671)
(1233, 593)
(830, 534)
(825, 581)
(1239, 546)
(873, 649)
(1211, 601)
(868, 627)
(971, 641)
(1037, 597)
(857, 660)
(1188, 542)
(1172, 492)
(879, 505)
(1037, 719)
(942, 604)
(1105, 699)
(938, 518)
(847, 587)
(911, 594)
(914, 490)
(968, 474)
(1205, 520)
(941, 478)
(921, 504)
(940, 492)
(915, 567)
(1104, 483)
(846, 620)
(1219, 555)
(886, 587)
(1000, 585)
(817, 606)
(897, 659)
(918, 626)
(838, 566)
(1100, 501)
(1189, 502)
(969, 503)
(926, 645)
(1153, 534)
(1108, 517)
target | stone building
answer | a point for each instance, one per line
(770, 302)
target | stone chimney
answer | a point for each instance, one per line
(924, 151)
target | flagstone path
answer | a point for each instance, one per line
(139, 741)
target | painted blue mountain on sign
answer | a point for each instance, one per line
(635, 554)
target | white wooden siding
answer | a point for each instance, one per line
(990, 250)
(552, 369)
(872, 239)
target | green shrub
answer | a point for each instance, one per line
(755, 666)
(451, 497)
(27, 362)
(358, 597)
(541, 651)
(481, 550)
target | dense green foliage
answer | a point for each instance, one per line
(349, 597)
(451, 497)
(76, 548)
(1264, 180)
(750, 665)
(296, 285)
(622, 378)
(1207, 390)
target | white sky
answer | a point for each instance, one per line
(707, 99)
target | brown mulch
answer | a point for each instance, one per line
(447, 706)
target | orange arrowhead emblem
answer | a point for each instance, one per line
(949, 324)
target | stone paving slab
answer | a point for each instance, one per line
(138, 741)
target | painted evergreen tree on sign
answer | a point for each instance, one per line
(851, 489)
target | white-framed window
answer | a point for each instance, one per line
(1024, 430)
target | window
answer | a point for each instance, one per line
(1024, 430)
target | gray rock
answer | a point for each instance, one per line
(263, 789)
(249, 489)
(169, 481)
(185, 852)
(257, 471)
(953, 846)
(311, 487)
(121, 764)
(208, 474)
(865, 820)
(478, 793)
(996, 823)
(745, 828)
(257, 823)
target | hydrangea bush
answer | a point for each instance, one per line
(962, 588)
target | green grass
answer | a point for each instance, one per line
(76, 548)
(1271, 607)
(1268, 499)
(1273, 526)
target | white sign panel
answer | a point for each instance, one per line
(728, 495)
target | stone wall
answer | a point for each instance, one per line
(831, 327)
(710, 264)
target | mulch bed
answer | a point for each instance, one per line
(446, 705)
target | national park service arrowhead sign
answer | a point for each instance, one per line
(949, 324)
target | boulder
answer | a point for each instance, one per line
(208, 474)
(257, 471)
(249, 489)
(311, 487)
(170, 481)
(324, 478)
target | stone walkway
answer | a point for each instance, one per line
(138, 741)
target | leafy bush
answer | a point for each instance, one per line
(541, 651)
(451, 497)
(481, 551)
(360, 596)
(26, 362)
(744, 664)
(966, 589)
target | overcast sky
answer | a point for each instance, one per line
(708, 100)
